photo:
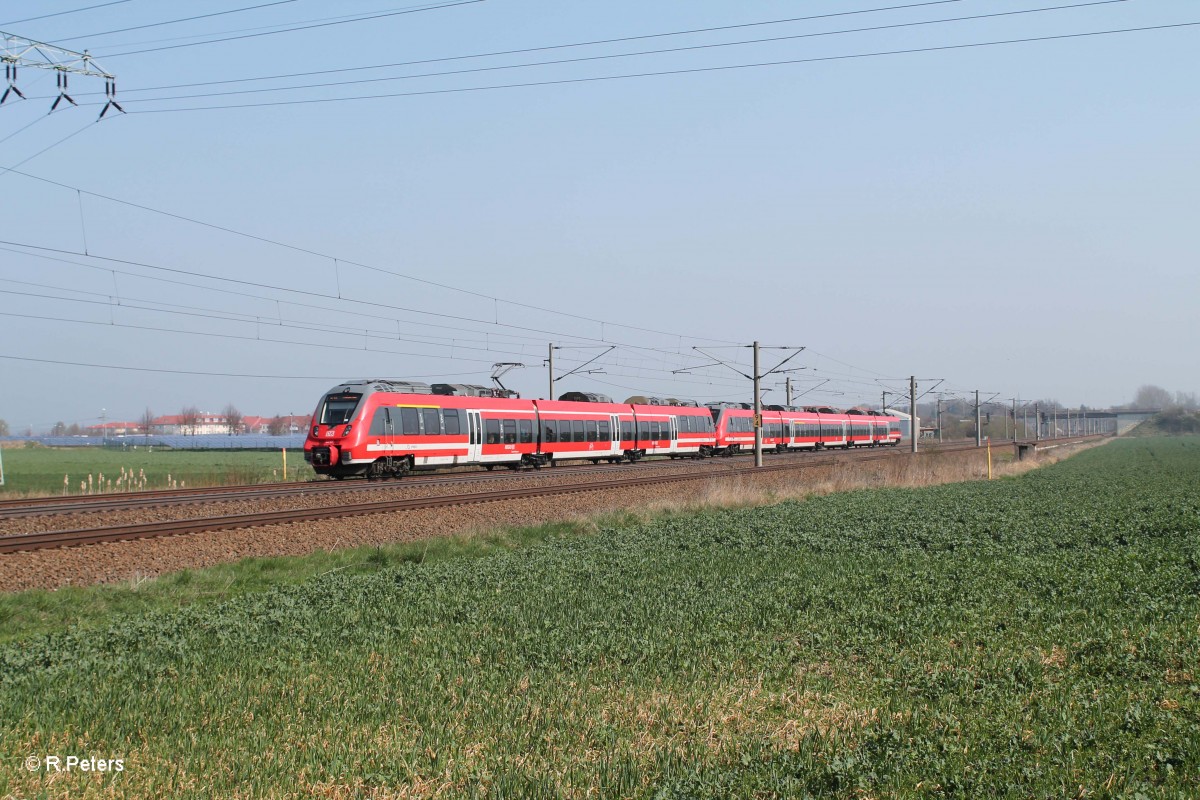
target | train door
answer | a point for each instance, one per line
(389, 437)
(614, 446)
(474, 437)
(673, 445)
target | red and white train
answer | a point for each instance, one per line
(386, 428)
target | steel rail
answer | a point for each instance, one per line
(118, 503)
(72, 538)
(73, 504)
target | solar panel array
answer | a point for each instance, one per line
(213, 441)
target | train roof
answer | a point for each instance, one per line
(646, 400)
(584, 397)
(394, 385)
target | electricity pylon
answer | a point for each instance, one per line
(17, 51)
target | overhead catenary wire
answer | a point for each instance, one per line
(204, 374)
(352, 262)
(844, 380)
(24, 128)
(358, 313)
(309, 293)
(5, 170)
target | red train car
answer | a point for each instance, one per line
(384, 428)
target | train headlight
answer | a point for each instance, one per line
(347, 431)
(316, 430)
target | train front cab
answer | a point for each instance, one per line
(328, 447)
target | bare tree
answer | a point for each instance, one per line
(277, 426)
(146, 422)
(233, 419)
(189, 419)
(1151, 396)
(73, 429)
(3, 428)
(59, 429)
(1186, 400)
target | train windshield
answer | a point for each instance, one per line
(339, 408)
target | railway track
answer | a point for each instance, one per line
(72, 538)
(45, 506)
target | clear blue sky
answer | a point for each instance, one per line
(1018, 218)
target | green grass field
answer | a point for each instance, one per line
(1028, 637)
(41, 470)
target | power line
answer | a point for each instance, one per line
(24, 128)
(62, 13)
(635, 54)
(410, 10)
(174, 21)
(661, 73)
(544, 47)
(5, 170)
(271, 27)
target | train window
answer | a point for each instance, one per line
(432, 420)
(410, 424)
(592, 429)
(526, 428)
(626, 431)
(605, 431)
(550, 436)
(656, 431)
(492, 426)
(339, 409)
(577, 429)
(643, 429)
(510, 431)
(450, 416)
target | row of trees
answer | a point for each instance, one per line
(1151, 396)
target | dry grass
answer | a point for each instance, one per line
(928, 469)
